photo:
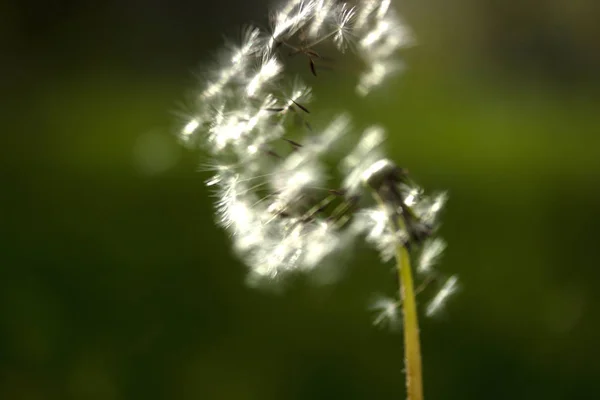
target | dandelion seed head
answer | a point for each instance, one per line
(271, 157)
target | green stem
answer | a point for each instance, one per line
(412, 344)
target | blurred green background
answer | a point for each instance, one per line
(116, 284)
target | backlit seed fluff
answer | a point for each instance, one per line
(274, 157)
(387, 312)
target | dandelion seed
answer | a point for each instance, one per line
(411, 197)
(375, 35)
(268, 70)
(428, 209)
(440, 299)
(324, 8)
(250, 45)
(386, 312)
(365, 12)
(343, 26)
(384, 6)
(378, 71)
(375, 223)
(288, 24)
(190, 127)
(364, 155)
(431, 252)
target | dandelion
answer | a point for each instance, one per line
(271, 160)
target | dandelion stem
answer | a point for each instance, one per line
(412, 345)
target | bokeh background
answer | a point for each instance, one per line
(116, 284)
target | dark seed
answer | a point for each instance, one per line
(290, 141)
(337, 192)
(273, 154)
(301, 106)
(312, 67)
